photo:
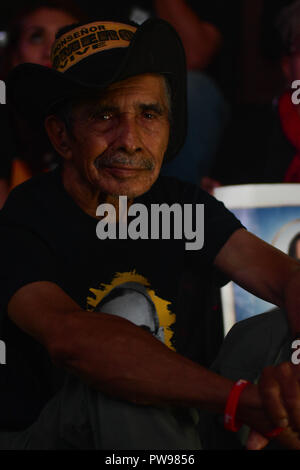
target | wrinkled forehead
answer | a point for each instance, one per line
(153, 86)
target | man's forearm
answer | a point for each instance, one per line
(118, 358)
(264, 271)
(111, 353)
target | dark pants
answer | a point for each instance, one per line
(79, 417)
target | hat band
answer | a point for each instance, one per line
(79, 43)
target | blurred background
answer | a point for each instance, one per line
(240, 62)
(246, 67)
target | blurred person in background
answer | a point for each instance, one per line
(262, 143)
(31, 34)
(284, 165)
(32, 31)
(202, 38)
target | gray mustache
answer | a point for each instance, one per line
(142, 163)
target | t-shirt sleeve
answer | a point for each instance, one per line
(219, 222)
(219, 225)
(25, 258)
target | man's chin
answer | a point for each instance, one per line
(130, 194)
(132, 189)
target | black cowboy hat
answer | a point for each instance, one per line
(89, 57)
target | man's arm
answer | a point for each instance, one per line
(263, 270)
(121, 359)
(201, 40)
(275, 277)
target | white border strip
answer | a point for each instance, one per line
(228, 307)
(258, 195)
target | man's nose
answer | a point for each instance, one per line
(49, 40)
(129, 134)
(47, 55)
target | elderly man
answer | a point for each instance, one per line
(113, 108)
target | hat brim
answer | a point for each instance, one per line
(33, 89)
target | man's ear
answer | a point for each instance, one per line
(58, 136)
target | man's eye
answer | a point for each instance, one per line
(102, 116)
(36, 37)
(148, 115)
(106, 116)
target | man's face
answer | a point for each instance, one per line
(120, 139)
(38, 30)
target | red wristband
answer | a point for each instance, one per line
(274, 433)
(230, 410)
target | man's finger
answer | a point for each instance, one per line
(290, 395)
(270, 393)
(256, 441)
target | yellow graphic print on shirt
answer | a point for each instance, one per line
(129, 295)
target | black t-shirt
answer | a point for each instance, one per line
(45, 236)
